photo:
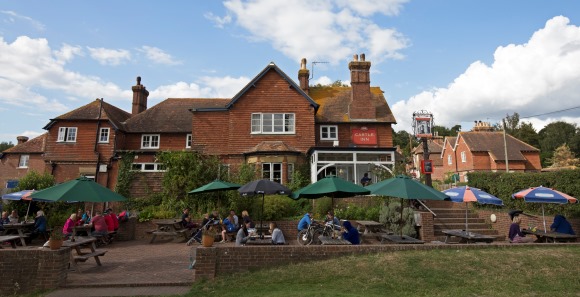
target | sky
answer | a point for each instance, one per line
(462, 61)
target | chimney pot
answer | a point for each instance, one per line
(362, 57)
(138, 80)
(21, 139)
(355, 57)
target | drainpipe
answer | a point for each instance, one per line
(97, 142)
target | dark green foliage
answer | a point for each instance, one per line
(35, 181)
(554, 135)
(125, 176)
(390, 215)
(5, 145)
(503, 185)
(402, 139)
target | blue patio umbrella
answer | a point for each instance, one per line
(468, 194)
(544, 195)
(21, 195)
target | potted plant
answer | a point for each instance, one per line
(56, 238)
(208, 236)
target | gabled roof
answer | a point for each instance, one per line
(493, 143)
(452, 140)
(34, 145)
(434, 147)
(91, 111)
(172, 115)
(268, 68)
(334, 103)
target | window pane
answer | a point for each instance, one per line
(256, 122)
(145, 142)
(289, 122)
(72, 134)
(149, 167)
(267, 120)
(154, 141)
(136, 166)
(266, 170)
(61, 133)
(332, 132)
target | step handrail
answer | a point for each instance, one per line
(434, 214)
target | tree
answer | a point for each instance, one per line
(528, 134)
(5, 145)
(444, 131)
(512, 123)
(402, 139)
(563, 157)
(35, 181)
(554, 135)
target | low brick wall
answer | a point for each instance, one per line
(503, 222)
(26, 270)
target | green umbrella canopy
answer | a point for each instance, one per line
(330, 186)
(81, 189)
(216, 185)
(405, 187)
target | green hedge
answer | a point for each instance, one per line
(503, 185)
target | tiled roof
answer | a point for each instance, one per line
(271, 146)
(172, 115)
(91, 112)
(334, 103)
(493, 143)
(34, 145)
(434, 147)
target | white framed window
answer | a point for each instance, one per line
(272, 171)
(150, 141)
(463, 157)
(67, 134)
(23, 163)
(290, 172)
(148, 167)
(188, 141)
(104, 135)
(449, 161)
(273, 123)
(328, 132)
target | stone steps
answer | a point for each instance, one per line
(454, 218)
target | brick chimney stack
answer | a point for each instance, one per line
(140, 95)
(304, 76)
(361, 106)
(21, 139)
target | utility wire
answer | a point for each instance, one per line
(557, 111)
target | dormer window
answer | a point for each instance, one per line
(273, 123)
(329, 132)
(150, 141)
(67, 134)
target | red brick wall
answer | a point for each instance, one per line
(167, 141)
(84, 147)
(9, 167)
(28, 270)
(533, 161)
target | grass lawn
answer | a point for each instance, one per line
(514, 271)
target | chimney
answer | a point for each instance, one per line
(303, 76)
(21, 139)
(140, 95)
(361, 106)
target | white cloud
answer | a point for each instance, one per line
(158, 56)
(219, 22)
(67, 53)
(208, 87)
(107, 56)
(342, 27)
(537, 77)
(13, 16)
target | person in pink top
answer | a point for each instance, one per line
(67, 229)
(99, 224)
(109, 221)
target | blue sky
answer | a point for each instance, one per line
(461, 60)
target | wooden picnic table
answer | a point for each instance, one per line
(21, 229)
(9, 238)
(82, 230)
(372, 229)
(467, 237)
(405, 239)
(169, 227)
(550, 236)
(328, 240)
(80, 255)
(258, 240)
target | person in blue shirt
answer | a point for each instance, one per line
(561, 225)
(305, 221)
(39, 225)
(350, 233)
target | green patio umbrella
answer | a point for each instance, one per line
(404, 187)
(216, 186)
(330, 186)
(81, 189)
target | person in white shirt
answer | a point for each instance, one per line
(277, 236)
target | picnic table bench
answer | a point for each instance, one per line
(405, 239)
(372, 229)
(9, 238)
(80, 255)
(327, 240)
(467, 237)
(23, 230)
(258, 240)
(549, 236)
(169, 228)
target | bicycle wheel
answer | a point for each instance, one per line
(315, 234)
(303, 237)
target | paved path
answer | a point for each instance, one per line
(133, 268)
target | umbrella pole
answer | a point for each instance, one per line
(401, 221)
(262, 217)
(466, 211)
(545, 230)
(27, 211)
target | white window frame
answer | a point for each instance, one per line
(272, 171)
(273, 123)
(449, 161)
(188, 141)
(154, 167)
(103, 133)
(147, 140)
(23, 161)
(329, 132)
(67, 134)
(463, 157)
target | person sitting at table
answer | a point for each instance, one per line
(67, 229)
(561, 225)
(350, 233)
(13, 217)
(39, 225)
(109, 221)
(5, 219)
(236, 219)
(115, 219)
(186, 220)
(243, 234)
(227, 227)
(86, 218)
(247, 219)
(515, 233)
(365, 180)
(277, 235)
(100, 225)
(305, 221)
(331, 218)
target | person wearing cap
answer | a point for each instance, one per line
(39, 225)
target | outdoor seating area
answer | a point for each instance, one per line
(550, 236)
(467, 237)
(169, 228)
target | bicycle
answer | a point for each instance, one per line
(310, 235)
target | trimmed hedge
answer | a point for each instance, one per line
(503, 185)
